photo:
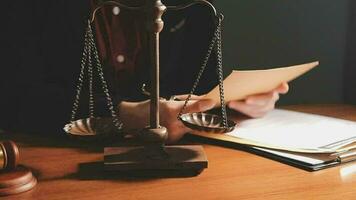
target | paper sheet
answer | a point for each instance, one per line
(311, 159)
(240, 84)
(290, 129)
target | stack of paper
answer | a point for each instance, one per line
(306, 140)
(334, 140)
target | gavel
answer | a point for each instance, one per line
(9, 155)
(14, 178)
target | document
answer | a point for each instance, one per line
(305, 140)
(297, 130)
(240, 84)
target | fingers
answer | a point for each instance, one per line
(262, 102)
(262, 99)
(254, 111)
(183, 97)
(257, 105)
(283, 88)
(200, 105)
(176, 132)
(176, 128)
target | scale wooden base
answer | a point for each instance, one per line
(185, 158)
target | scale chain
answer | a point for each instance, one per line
(89, 50)
(200, 73)
(215, 40)
(81, 74)
(99, 68)
(220, 75)
(90, 74)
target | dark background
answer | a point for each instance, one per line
(262, 34)
(41, 44)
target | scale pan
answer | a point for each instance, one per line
(206, 122)
(91, 127)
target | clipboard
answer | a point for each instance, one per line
(332, 161)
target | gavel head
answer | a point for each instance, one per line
(9, 155)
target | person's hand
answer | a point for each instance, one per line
(135, 115)
(258, 105)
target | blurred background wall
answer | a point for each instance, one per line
(262, 34)
(350, 61)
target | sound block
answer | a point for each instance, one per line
(179, 158)
(16, 181)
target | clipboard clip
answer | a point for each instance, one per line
(347, 156)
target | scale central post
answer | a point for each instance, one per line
(155, 135)
(155, 10)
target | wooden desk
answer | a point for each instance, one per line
(232, 174)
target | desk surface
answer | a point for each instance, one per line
(232, 174)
